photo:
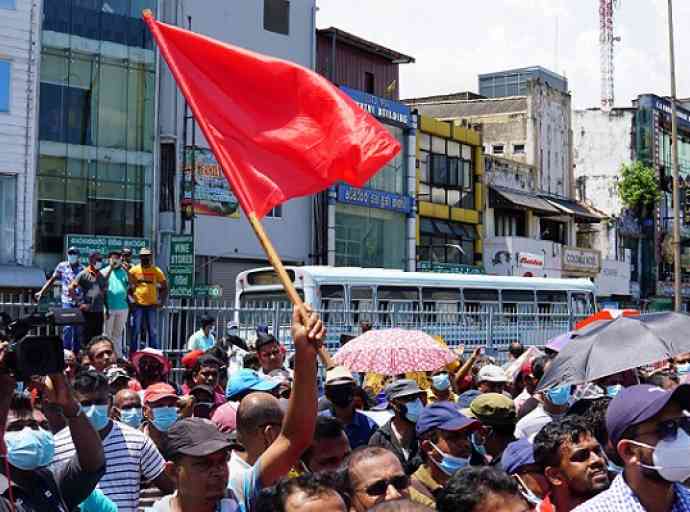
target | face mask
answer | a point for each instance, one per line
(450, 464)
(614, 468)
(527, 493)
(212, 330)
(440, 382)
(116, 262)
(612, 391)
(131, 417)
(340, 396)
(413, 410)
(559, 395)
(478, 446)
(683, 369)
(97, 265)
(671, 457)
(72, 258)
(29, 449)
(97, 416)
(164, 417)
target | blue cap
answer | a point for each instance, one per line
(465, 399)
(445, 416)
(637, 404)
(517, 454)
(247, 380)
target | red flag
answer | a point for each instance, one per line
(277, 129)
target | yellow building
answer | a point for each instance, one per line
(450, 196)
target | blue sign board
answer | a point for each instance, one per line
(664, 106)
(370, 198)
(382, 108)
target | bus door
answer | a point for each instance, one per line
(478, 305)
(333, 308)
(441, 313)
(581, 305)
(361, 305)
(398, 306)
(552, 313)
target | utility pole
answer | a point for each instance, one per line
(674, 152)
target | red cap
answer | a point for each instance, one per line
(158, 391)
(189, 360)
(526, 368)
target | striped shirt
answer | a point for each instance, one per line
(130, 458)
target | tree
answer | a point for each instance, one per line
(638, 187)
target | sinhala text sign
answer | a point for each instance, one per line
(181, 268)
(104, 244)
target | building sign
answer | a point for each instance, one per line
(448, 268)
(664, 106)
(382, 108)
(370, 198)
(214, 291)
(581, 260)
(212, 193)
(181, 268)
(529, 260)
(665, 289)
(104, 244)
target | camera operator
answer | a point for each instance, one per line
(30, 448)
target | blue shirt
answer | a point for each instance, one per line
(359, 431)
(65, 274)
(620, 497)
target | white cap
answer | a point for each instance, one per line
(492, 373)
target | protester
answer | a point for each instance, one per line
(518, 460)
(160, 411)
(573, 460)
(515, 350)
(70, 365)
(531, 372)
(118, 379)
(116, 305)
(130, 455)
(491, 379)
(150, 290)
(398, 435)
(440, 389)
(93, 286)
(271, 354)
(496, 413)
(329, 448)
(306, 493)
(340, 392)
(649, 428)
(225, 417)
(65, 273)
(372, 475)
(127, 408)
(481, 489)
(151, 365)
(203, 401)
(204, 338)
(445, 440)
(101, 352)
(206, 372)
(553, 406)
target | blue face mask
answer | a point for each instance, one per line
(560, 395)
(72, 258)
(164, 417)
(615, 468)
(440, 382)
(527, 493)
(478, 446)
(450, 464)
(414, 409)
(97, 415)
(131, 417)
(29, 449)
(612, 391)
(683, 369)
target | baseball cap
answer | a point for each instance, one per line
(493, 409)
(204, 388)
(517, 454)
(115, 372)
(247, 380)
(225, 417)
(466, 398)
(189, 359)
(116, 252)
(195, 437)
(145, 251)
(445, 416)
(402, 388)
(154, 353)
(126, 250)
(338, 375)
(158, 391)
(636, 404)
(492, 373)
(73, 250)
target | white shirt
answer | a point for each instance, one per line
(238, 468)
(530, 425)
(130, 458)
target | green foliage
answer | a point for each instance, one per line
(638, 186)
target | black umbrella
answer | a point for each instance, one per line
(610, 347)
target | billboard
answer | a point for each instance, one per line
(212, 193)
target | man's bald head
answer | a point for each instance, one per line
(126, 398)
(257, 410)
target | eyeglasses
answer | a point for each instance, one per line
(669, 429)
(379, 488)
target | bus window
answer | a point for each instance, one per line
(441, 305)
(480, 300)
(362, 304)
(579, 303)
(258, 307)
(514, 302)
(398, 302)
(552, 302)
(333, 303)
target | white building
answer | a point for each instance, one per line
(19, 54)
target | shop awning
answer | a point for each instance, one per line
(577, 210)
(448, 229)
(524, 200)
(16, 276)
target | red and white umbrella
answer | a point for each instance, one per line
(392, 352)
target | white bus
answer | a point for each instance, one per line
(438, 302)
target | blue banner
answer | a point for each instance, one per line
(382, 108)
(370, 198)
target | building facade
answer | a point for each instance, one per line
(515, 82)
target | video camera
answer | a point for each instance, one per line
(28, 354)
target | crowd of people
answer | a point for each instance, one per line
(113, 433)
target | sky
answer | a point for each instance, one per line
(453, 41)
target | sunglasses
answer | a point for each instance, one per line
(379, 488)
(669, 429)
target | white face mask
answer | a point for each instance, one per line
(671, 457)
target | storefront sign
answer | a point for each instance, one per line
(448, 268)
(104, 244)
(212, 194)
(581, 260)
(181, 268)
(529, 260)
(382, 108)
(370, 198)
(664, 106)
